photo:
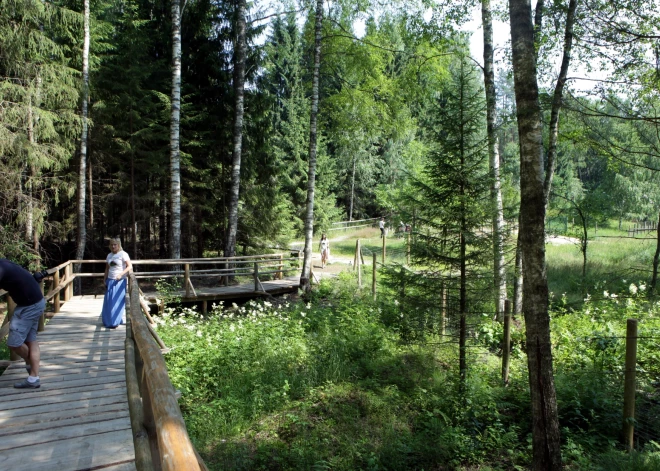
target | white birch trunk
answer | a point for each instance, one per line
(82, 173)
(499, 276)
(305, 282)
(175, 164)
(239, 93)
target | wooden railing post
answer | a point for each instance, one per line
(356, 259)
(506, 345)
(373, 276)
(56, 297)
(11, 307)
(67, 277)
(629, 384)
(186, 279)
(256, 276)
(280, 274)
(71, 284)
(42, 319)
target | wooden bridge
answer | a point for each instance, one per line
(106, 401)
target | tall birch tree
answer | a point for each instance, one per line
(175, 157)
(499, 275)
(239, 94)
(546, 444)
(82, 173)
(305, 282)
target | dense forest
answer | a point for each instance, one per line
(195, 128)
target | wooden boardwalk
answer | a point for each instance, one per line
(78, 419)
(237, 292)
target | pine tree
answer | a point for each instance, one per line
(38, 100)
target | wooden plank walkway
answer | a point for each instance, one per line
(78, 419)
(240, 291)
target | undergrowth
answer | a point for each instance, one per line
(330, 384)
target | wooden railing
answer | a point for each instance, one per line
(60, 281)
(160, 437)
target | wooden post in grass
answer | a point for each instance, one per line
(629, 384)
(356, 259)
(359, 273)
(506, 345)
(443, 309)
(373, 276)
(384, 248)
(408, 250)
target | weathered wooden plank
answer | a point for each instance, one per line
(53, 424)
(48, 372)
(80, 453)
(84, 410)
(120, 467)
(51, 434)
(33, 401)
(50, 366)
(50, 388)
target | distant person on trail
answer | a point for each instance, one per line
(117, 265)
(24, 289)
(381, 225)
(324, 247)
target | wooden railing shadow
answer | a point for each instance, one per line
(160, 437)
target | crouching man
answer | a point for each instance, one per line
(30, 304)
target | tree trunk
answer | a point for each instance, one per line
(499, 275)
(546, 444)
(90, 197)
(462, 336)
(518, 280)
(656, 259)
(175, 164)
(133, 218)
(557, 100)
(239, 92)
(305, 283)
(350, 212)
(82, 173)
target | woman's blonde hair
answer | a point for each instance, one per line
(115, 241)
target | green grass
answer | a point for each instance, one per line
(612, 264)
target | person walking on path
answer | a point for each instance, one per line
(324, 247)
(381, 225)
(24, 289)
(117, 266)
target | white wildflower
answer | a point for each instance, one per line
(606, 294)
(396, 302)
(632, 288)
(199, 333)
(642, 287)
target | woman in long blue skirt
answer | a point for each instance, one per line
(117, 266)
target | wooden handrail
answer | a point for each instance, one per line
(175, 449)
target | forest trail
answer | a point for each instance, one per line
(79, 417)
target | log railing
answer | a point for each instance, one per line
(160, 437)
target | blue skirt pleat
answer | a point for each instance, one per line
(114, 303)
